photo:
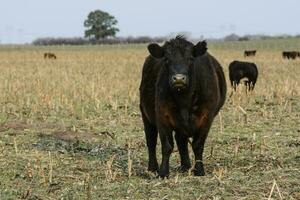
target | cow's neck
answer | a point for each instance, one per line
(184, 103)
(184, 99)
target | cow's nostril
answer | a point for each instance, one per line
(179, 78)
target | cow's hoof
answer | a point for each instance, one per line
(199, 172)
(163, 174)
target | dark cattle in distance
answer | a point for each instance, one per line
(239, 70)
(249, 53)
(291, 54)
(182, 89)
(49, 55)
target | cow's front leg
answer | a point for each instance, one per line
(151, 138)
(198, 146)
(167, 145)
(182, 144)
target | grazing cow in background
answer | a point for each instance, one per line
(49, 55)
(249, 53)
(284, 54)
(291, 54)
(239, 70)
(182, 89)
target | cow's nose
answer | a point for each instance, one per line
(179, 78)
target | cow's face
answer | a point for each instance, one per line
(178, 61)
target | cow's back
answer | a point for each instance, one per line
(239, 70)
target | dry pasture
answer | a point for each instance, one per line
(71, 129)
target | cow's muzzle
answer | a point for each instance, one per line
(179, 81)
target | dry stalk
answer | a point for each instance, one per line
(87, 183)
(50, 168)
(221, 122)
(263, 146)
(253, 144)
(280, 162)
(272, 190)
(110, 174)
(244, 114)
(73, 128)
(15, 145)
(129, 161)
(237, 145)
(41, 171)
(285, 105)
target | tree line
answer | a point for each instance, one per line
(101, 28)
(86, 41)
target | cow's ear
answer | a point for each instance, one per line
(200, 48)
(155, 50)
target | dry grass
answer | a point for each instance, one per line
(71, 129)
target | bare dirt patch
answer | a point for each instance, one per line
(13, 125)
(87, 136)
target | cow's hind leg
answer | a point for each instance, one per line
(182, 144)
(249, 85)
(234, 85)
(151, 139)
(253, 85)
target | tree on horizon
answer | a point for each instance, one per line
(100, 25)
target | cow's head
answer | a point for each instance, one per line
(178, 56)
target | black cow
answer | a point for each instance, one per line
(249, 53)
(239, 70)
(49, 55)
(182, 89)
(291, 54)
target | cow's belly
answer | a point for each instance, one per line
(188, 123)
(192, 124)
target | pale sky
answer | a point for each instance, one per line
(22, 21)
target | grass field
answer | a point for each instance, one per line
(71, 128)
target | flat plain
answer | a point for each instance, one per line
(71, 128)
